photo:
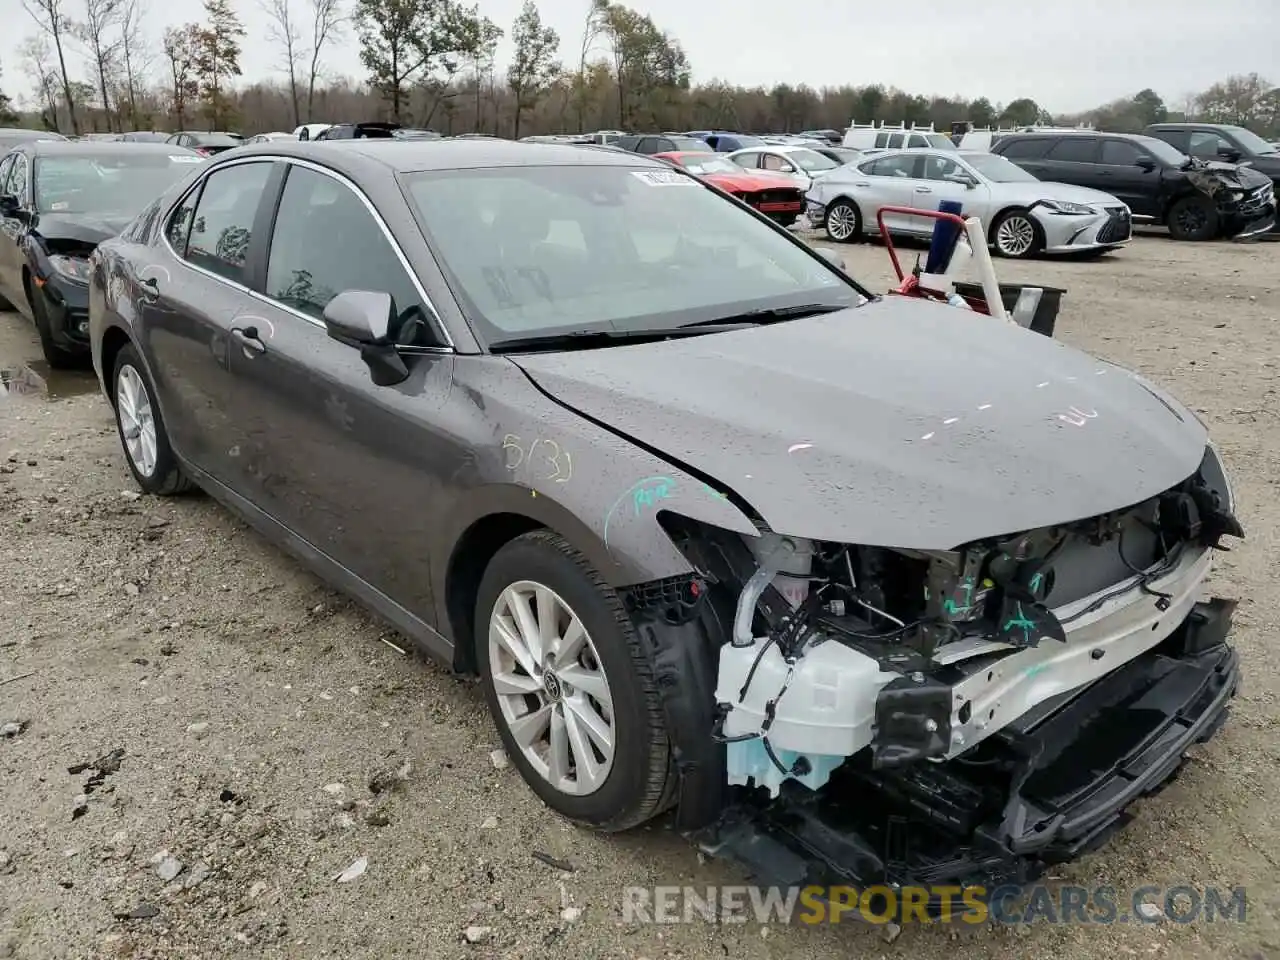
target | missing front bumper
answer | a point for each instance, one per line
(1047, 788)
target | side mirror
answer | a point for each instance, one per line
(1145, 163)
(1230, 155)
(8, 205)
(366, 319)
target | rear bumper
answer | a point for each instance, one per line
(1048, 788)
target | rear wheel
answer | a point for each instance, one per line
(570, 687)
(142, 433)
(1193, 218)
(1016, 235)
(844, 222)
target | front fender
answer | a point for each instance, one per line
(597, 488)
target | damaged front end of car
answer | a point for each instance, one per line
(845, 715)
(1246, 204)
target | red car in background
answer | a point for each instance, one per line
(774, 195)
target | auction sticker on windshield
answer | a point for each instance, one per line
(182, 158)
(663, 178)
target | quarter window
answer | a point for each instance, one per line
(325, 242)
(223, 221)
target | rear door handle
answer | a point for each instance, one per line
(924, 189)
(249, 341)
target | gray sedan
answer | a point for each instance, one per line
(718, 529)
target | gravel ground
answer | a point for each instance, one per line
(242, 721)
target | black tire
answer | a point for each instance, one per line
(1193, 218)
(640, 784)
(5, 304)
(839, 211)
(1025, 222)
(54, 355)
(167, 478)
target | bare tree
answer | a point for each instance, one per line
(327, 23)
(534, 68)
(180, 45)
(49, 17)
(98, 31)
(591, 31)
(282, 30)
(135, 54)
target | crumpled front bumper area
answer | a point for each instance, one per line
(1049, 787)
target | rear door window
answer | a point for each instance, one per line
(902, 166)
(222, 224)
(1074, 150)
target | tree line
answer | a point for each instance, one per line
(432, 63)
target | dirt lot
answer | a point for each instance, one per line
(253, 706)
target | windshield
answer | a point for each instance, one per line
(709, 163)
(540, 250)
(116, 184)
(1164, 152)
(1250, 141)
(811, 160)
(997, 169)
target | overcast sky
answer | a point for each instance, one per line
(1067, 56)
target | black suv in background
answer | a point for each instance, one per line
(1196, 199)
(1221, 141)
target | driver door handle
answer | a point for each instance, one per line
(249, 341)
(924, 189)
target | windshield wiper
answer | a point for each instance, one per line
(773, 314)
(588, 339)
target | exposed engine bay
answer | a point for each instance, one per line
(886, 715)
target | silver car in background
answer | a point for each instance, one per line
(1022, 216)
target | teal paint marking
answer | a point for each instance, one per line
(954, 609)
(1035, 670)
(643, 493)
(1034, 586)
(1020, 622)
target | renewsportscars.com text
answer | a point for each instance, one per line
(940, 904)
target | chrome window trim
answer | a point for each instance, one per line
(449, 346)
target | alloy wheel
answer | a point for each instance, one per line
(1192, 219)
(842, 221)
(551, 688)
(137, 420)
(1015, 236)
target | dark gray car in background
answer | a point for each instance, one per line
(718, 529)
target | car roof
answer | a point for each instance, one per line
(411, 156)
(24, 133)
(101, 148)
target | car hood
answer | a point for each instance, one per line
(751, 181)
(1231, 174)
(80, 228)
(1029, 193)
(898, 423)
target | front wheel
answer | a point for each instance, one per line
(1016, 235)
(570, 686)
(142, 434)
(843, 222)
(1193, 218)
